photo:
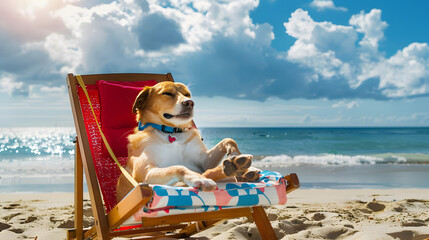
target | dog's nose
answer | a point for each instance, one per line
(188, 103)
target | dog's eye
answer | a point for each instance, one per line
(188, 95)
(168, 94)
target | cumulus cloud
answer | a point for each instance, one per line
(335, 52)
(406, 73)
(322, 5)
(324, 47)
(371, 26)
(215, 45)
(9, 85)
(23, 27)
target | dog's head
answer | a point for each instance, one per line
(165, 103)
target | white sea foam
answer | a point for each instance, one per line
(43, 166)
(328, 160)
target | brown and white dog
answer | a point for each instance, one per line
(158, 156)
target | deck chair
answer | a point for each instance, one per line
(102, 173)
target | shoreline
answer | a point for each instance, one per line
(309, 213)
(377, 176)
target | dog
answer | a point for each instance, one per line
(167, 148)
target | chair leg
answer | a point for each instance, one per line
(263, 223)
(78, 194)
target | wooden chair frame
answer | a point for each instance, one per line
(106, 224)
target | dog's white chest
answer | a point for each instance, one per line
(181, 151)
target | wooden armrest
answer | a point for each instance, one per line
(135, 200)
(292, 182)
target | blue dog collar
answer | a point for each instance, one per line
(162, 128)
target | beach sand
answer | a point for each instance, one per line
(309, 214)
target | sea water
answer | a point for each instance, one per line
(42, 159)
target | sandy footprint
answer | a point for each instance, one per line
(11, 216)
(4, 226)
(408, 235)
(30, 219)
(375, 206)
(11, 206)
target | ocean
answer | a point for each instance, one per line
(42, 159)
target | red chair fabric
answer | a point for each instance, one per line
(104, 107)
(116, 100)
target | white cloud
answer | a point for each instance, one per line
(322, 46)
(333, 52)
(371, 26)
(9, 84)
(136, 29)
(62, 50)
(322, 5)
(202, 41)
(344, 104)
(200, 21)
(73, 17)
(40, 92)
(406, 73)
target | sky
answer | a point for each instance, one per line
(248, 63)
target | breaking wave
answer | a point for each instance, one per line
(343, 160)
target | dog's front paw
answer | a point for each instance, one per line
(236, 164)
(204, 184)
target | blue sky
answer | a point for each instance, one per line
(247, 62)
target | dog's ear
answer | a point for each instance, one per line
(141, 99)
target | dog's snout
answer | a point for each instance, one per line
(188, 103)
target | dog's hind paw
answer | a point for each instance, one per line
(250, 175)
(236, 164)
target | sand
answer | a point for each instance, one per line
(309, 214)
